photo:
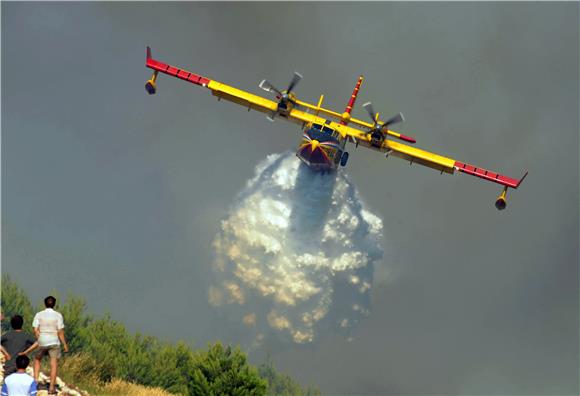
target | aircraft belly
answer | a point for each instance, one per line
(320, 158)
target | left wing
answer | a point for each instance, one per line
(255, 102)
(217, 88)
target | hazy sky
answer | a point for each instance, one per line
(116, 195)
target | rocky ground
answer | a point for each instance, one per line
(62, 388)
(115, 387)
(44, 381)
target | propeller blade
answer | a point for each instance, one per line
(295, 79)
(369, 108)
(394, 120)
(268, 87)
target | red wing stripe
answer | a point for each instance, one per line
(183, 74)
(487, 175)
(179, 73)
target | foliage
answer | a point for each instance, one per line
(223, 371)
(77, 322)
(15, 301)
(281, 384)
(120, 387)
(106, 355)
(82, 370)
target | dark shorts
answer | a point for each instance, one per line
(52, 350)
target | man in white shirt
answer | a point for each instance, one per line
(20, 383)
(49, 330)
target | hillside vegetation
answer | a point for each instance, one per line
(105, 358)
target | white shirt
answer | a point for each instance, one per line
(48, 322)
(19, 384)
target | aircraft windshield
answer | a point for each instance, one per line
(320, 132)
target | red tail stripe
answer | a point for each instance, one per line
(354, 95)
(352, 99)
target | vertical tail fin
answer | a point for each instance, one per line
(346, 115)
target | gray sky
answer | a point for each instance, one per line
(115, 195)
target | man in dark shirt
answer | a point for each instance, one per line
(15, 341)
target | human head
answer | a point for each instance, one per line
(49, 302)
(22, 362)
(16, 322)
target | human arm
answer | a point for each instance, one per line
(30, 349)
(61, 337)
(36, 326)
(5, 353)
(62, 340)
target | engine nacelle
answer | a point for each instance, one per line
(501, 201)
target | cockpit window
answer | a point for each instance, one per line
(321, 133)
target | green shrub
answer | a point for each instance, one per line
(111, 352)
(15, 302)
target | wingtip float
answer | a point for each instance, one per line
(324, 137)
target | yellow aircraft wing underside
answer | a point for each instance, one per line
(400, 150)
(241, 97)
(415, 155)
(259, 103)
(397, 149)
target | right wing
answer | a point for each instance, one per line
(422, 157)
(448, 165)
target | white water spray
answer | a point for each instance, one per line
(295, 255)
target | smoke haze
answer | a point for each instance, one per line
(118, 196)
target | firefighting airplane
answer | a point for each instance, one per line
(324, 139)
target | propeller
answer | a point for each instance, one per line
(283, 96)
(379, 130)
(268, 87)
(295, 79)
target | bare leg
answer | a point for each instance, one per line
(37, 360)
(53, 368)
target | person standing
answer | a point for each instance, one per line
(15, 341)
(49, 330)
(20, 383)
